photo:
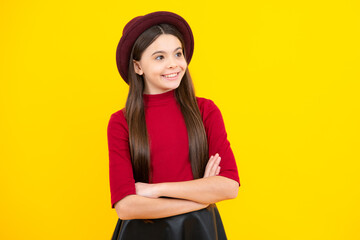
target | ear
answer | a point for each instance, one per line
(137, 68)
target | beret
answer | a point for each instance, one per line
(135, 27)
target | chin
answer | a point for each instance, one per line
(172, 86)
(176, 86)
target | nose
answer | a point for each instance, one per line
(172, 63)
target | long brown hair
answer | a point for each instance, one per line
(135, 113)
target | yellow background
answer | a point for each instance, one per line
(285, 75)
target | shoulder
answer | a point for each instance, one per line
(211, 117)
(207, 108)
(210, 113)
(118, 120)
(119, 114)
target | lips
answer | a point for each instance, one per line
(171, 76)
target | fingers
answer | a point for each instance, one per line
(217, 170)
(212, 167)
(207, 168)
(215, 166)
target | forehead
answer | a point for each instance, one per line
(165, 42)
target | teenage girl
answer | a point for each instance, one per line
(170, 160)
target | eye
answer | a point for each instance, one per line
(178, 54)
(160, 57)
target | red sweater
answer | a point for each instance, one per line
(169, 146)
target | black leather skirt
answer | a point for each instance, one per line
(204, 224)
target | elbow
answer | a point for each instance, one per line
(234, 193)
(233, 190)
(229, 188)
(122, 208)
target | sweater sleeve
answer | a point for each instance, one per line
(122, 182)
(217, 138)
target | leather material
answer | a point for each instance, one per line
(204, 224)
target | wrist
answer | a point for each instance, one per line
(161, 189)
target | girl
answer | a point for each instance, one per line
(170, 160)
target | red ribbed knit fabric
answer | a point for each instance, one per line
(169, 149)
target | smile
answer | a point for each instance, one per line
(171, 75)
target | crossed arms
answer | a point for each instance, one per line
(183, 197)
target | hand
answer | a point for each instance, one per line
(212, 167)
(204, 205)
(146, 190)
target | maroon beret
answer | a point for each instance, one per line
(138, 25)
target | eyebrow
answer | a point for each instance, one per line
(164, 51)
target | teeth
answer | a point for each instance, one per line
(171, 75)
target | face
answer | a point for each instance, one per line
(162, 65)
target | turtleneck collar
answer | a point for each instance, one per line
(159, 99)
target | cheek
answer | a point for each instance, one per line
(183, 64)
(152, 70)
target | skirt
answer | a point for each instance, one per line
(204, 224)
